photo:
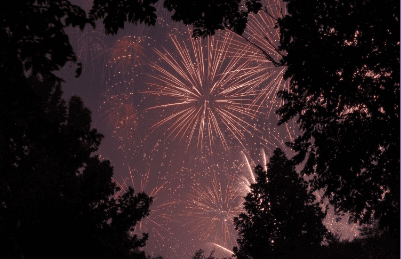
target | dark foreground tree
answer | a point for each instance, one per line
(56, 198)
(374, 246)
(344, 65)
(200, 255)
(281, 220)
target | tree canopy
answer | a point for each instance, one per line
(344, 68)
(56, 198)
(200, 255)
(33, 37)
(281, 220)
(206, 16)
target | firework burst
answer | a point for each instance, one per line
(208, 92)
(92, 46)
(128, 53)
(156, 209)
(263, 38)
(120, 112)
(157, 224)
(210, 211)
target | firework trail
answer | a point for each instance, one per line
(209, 93)
(245, 175)
(222, 249)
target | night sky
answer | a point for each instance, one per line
(185, 121)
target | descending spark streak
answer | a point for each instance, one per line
(209, 91)
(244, 181)
(246, 176)
(249, 167)
(264, 159)
(223, 248)
(123, 186)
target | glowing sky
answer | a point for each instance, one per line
(196, 191)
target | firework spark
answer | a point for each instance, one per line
(208, 91)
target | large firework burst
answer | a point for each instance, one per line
(208, 92)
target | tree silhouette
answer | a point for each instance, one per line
(200, 255)
(281, 220)
(206, 16)
(344, 68)
(56, 198)
(33, 37)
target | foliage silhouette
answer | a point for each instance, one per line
(376, 246)
(281, 220)
(199, 255)
(52, 189)
(344, 68)
(33, 37)
(56, 198)
(206, 16)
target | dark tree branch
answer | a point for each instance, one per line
(268, 57)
